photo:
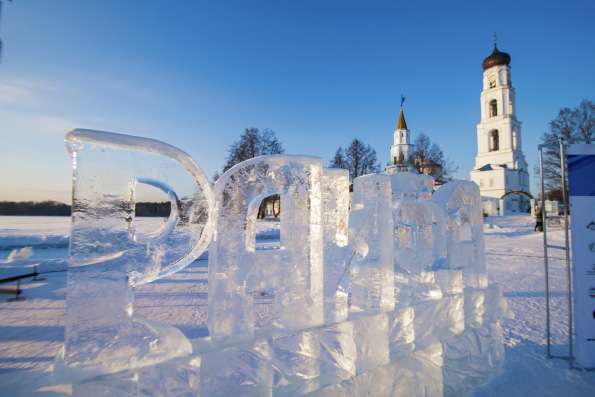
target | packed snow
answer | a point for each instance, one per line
(34, 232)
(32, 331)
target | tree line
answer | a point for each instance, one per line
(55, 208)
(572, 125)
(358, 157)
(47, 208)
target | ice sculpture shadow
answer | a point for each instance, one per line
(525, 365)
(535, 294)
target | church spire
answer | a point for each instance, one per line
(401, 150)
(401, 124)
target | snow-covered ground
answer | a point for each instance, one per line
(42, 231)
(32, 331)
(514, 254)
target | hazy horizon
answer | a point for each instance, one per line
(195, 74)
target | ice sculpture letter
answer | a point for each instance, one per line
(335, 218)
(461, 203)
(478, 351)
(109, 255)
(388, 297)
(293, 274)
(370, 233)
(419, 227)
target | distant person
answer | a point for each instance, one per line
(538, 220)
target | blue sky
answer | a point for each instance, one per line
(319, 73)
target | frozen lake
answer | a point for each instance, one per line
(32, 331)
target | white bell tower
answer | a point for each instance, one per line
(500, 165)
(401, 151)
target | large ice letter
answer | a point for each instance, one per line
(335, 217)
(419, 237)
(371, 236)
(291, 275)
(462, 203)
(110, 253)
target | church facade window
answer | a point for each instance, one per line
(493, 108)
(494, 141)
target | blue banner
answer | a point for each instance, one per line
(581, 174)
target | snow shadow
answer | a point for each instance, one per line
(33, 333)
(527, 368)
(534, 294)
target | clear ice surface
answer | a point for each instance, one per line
(294, 273)
(380, 292)
(370, 236)
(461, 203)
(108, 257)
(335, 219)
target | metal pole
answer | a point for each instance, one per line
(545, 255)
(568, 263)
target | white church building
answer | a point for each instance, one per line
(500, 165)
(401, 151)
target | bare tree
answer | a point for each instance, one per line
(252, 143)
(429, 158)
(359, 159)
(216, 176)
(1, 21)
(338, 160)
(573, 126)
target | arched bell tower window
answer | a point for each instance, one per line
(515, 140)
(494, 141)
(493, 108)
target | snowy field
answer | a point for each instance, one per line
(32, 331)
